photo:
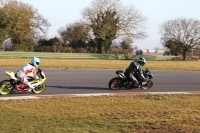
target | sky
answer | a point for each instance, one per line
(62, 12)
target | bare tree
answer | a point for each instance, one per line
(185, 33)
(128, 21)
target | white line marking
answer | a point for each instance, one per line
(19, 97)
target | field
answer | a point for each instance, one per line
(102, 64)
(107, 114)
(14, 54)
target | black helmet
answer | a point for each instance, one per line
(141, 61)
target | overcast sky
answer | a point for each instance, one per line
(62, 12)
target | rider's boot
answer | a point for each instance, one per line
(17, 87)
(135, 84)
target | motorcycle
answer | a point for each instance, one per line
(122, 81)
(16, 86)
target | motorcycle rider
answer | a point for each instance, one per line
(136, 68)
(29, 69)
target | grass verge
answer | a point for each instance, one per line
(107, 114)
(143, 113)
(102, 64)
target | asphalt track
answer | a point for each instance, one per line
(95, 81)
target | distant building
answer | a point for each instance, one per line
(139, 52)
(160, 51)
(150, 51)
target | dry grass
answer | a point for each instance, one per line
(130, 114)
(103, 64)
(143, 113)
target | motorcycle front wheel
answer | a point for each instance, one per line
(5, 87)
(147, 86)
(39, 89)
(116, 83)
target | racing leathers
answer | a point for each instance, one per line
(133, 70)
(26, 71)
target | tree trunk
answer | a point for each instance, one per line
(184, 55)
(99, 45)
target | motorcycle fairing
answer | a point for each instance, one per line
(121, 74)
(34, 82)
(11, 75)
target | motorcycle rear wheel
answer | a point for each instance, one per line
(115, 83)
(147, 86)
(39, 89)
(5, 87)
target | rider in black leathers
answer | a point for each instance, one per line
(135, 68)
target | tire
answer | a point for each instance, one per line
(5, 87)
(147, 86)
(39, 89)
(116, 83)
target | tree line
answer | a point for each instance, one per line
(103, 22)
(106, 26)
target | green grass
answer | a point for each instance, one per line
(16, 54)
(107, 114)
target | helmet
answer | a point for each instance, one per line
(35, 61)
(141, 61)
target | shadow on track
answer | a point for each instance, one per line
(88, 88)
(79, 87)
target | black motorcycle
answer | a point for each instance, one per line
(122, 81)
